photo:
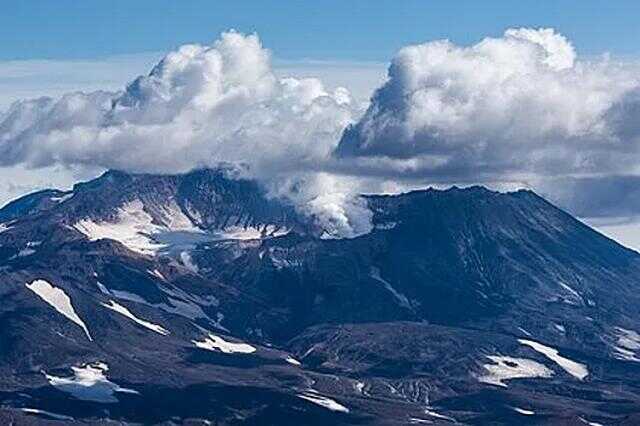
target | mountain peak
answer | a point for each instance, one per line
(454, 295)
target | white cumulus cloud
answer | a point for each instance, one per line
(514, 107)
(200, 106)
(520, 109)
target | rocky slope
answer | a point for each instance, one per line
(193, 298)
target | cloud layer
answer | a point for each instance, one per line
(510, 108)
(199, 106)
(520, 109)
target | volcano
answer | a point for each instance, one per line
(200, 299)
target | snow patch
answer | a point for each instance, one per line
(89, 383)
(131, 297)
(133, 228)
(183, 308)
(175, 232)
(127, 313)
(400, 298)
(5, 227)
(523, 411)
(587, 422)
(62, 198)
(577, 370)
(323, 401)
(507, 368)
(293, 361)
(628, 345)
(217, 343)
(187, 304)
(174, 219)
(417, 421)
(574, 297)
(431, 413)
(102, 288)
(249, 233)
(560, 328)
(44, 413)
(157, 274)
(26, 252)
(522, 330)
(279, 260)
(59, 300)
(385, 226)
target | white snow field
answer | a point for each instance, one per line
(127, 313)
(508, 368)
(89, 383)
(293, 361)
(58, 299)
(627, 345)
(323, 401)
(217, 343)
(132, 227)
(54, 416)
(135, 228)
(577, 370)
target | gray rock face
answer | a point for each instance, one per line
(192, 298)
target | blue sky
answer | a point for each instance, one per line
(333, 29)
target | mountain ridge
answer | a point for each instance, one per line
(459, 304)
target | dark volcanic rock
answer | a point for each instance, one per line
(206, 300)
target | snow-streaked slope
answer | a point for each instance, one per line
(25, 252)
(400, 298)
(627, 345)
(213, 343)
(431, 413)
(248, 233)
(54, 416)
(323, 401)
(587, 422)
(62, 198)
(89, 383)
(127, 313)
(572, 297)
(157, 274)
(172, 217)
(507, 368)
(291, 360)
(169, 230)
(132, 227)
(182, 306)
(577, 370)
(59, 300)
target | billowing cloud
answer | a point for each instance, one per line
(332, 200)
(517, 110)
(199, 106)
(519, 107)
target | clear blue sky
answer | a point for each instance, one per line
(333, 29)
